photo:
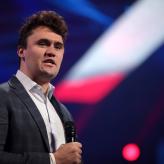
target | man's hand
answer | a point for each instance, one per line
(69, 153)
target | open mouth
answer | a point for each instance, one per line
(49, 61)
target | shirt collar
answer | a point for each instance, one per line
(30, 84)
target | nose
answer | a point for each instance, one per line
(50, 52)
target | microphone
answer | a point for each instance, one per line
(70, 131)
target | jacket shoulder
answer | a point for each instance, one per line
(4, 87)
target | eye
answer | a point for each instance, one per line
(58, 46)
(43, 42)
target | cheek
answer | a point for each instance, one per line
(60, 57)
(34, 56)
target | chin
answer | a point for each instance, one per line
(49, 75)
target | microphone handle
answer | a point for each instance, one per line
(70, 133)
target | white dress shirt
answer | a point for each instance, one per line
(51, 119)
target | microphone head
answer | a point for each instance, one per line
(70, 131)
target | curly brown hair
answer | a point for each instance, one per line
(50, 19)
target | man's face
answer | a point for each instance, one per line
(41, 59)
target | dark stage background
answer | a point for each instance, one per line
(112, 76)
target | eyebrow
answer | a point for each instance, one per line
(49, 41)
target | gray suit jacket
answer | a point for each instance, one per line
(23, 136)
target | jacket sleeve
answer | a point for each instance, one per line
(24, 158)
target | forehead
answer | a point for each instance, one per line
(43, 32)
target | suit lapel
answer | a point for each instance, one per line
(19, 90)
(57, 108)
(61, 110)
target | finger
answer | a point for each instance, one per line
(78, 143)
(61, 145)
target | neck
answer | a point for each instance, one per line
(40, 80)
(44, 85)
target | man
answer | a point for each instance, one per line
(31, 119)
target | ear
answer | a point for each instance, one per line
(20, 52)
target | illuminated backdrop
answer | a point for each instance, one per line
(112, 76)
